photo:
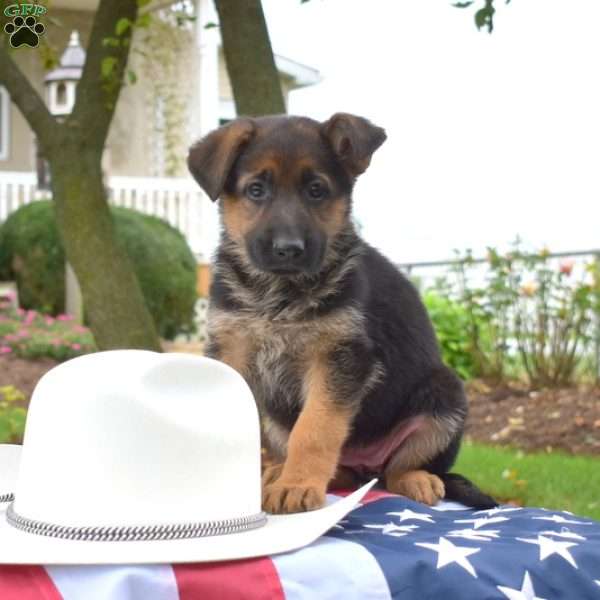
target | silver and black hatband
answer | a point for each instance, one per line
(120, 533)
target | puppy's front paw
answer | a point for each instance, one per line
(283, 497)
(271, 474)
(418, 485)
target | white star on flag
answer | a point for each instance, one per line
(597, 581)
(525, 593)
(559, 519)
(407, 514)
(565, 533)
(481, 521)
(479, 535)
(494, 511)
(548, 547)
(393, 529)
(448, 553)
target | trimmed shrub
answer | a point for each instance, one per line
(32, 253)
(451, 323)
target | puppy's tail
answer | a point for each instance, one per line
(460, 489)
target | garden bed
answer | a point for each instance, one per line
(22, 373)
(564, 419)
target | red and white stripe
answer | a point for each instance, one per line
(327, 569)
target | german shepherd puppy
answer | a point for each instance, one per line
(332, 339)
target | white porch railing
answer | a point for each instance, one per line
(16, 189)
(178, 201)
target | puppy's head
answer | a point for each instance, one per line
(285, 184)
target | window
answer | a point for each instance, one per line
(4, 123)
(226, 111)
(159, 138)
(61, 94)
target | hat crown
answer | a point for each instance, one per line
(131, 437)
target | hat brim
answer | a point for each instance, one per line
(282, 533)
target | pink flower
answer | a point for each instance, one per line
(23, 333)
(11, 337)
(566, 267)
(20, 311)
(64, 317)
(80, 329)
(56, 342)
(5, 349)
(76, 346)
(49, 321)
(30, 317)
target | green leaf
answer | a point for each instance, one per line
(144, 20)
(107, 66)
(17, 418)
(111, 42)
(463, 4)
(211, 25)
(484, 17)
(131, 76)
(123, 24)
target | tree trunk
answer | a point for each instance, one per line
(112, 296)
(249, 57)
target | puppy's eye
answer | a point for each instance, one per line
(256, 190)
(317, 190)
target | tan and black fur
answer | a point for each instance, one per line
(334, 342)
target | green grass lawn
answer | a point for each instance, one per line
(555, 481)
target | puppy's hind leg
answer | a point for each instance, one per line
(417, 468)
(409, 473)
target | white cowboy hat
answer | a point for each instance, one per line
(132, 456)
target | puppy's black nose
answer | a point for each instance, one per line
(285, 249)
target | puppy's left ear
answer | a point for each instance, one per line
(210, 160)
(353, 140)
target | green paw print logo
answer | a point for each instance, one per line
(24, 32)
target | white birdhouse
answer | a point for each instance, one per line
(61, 83)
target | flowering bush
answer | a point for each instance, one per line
(530, 312)
(30, 334)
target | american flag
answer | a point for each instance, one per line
(389, 547)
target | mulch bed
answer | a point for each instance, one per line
(566, 419)
(23, 374)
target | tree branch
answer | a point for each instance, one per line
(28, 101)
(98, 90)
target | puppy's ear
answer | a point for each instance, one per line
(353, 140)
(210, 160)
